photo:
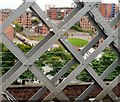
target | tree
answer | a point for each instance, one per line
(18, 27)
(91, 32)
(77, 27)
(104, 62)
(35, 21)
(56, 59)
(9, 60)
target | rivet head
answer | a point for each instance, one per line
(63, 29)
(47, 19)
(30, 64)
(51, 29)
(25, 64)
(90, 5)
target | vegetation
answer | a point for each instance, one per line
(35, 21)
(57, 58)
(77, 27)
(38, 38)
(56, 62)
(104, 62)
(77, 42)
(91, 32)
(18, 27)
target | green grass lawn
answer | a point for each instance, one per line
(77, 42)
(35, 37)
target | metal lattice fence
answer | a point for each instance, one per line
(26, 61)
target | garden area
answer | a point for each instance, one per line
(57, 58)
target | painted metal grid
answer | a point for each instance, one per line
(26, 62)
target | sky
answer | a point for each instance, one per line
(58, 3)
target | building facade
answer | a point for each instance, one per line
(86, 25)
(107, 10)
(41, 30)
(24, 19)
(58, 13)
(5, 13)
(9, 31)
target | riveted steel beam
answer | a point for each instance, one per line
(26, 62)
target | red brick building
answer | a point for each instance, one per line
(24, 19)
(9, 31)
(86, 25)
(107, 10)
(43, 29)
(56, 13)
(5, 13)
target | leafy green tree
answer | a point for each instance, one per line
(77, 27)
(56, 59)
(18, 27)
(104, 62)
(35, 21)
(91, 32)
(9, 60)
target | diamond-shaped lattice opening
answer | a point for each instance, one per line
(79, 37)
(38, 29)
(103, 62)
(53, 60)
(29, 28)
(8, 60)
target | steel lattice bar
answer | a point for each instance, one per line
(15, 15)
(81, 67)
(109, 70)
(10, 96)
(109, 88)
(116, 50)
(27, 61)
(23, 60)
(100, 31)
